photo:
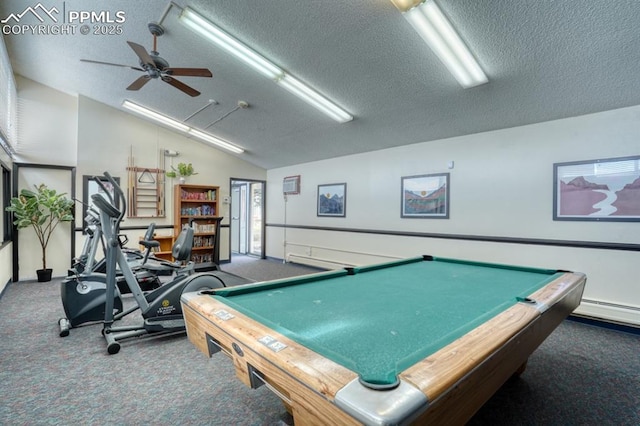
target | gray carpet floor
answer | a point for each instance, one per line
(581, 375)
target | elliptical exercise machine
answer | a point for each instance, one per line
(83, 294)
(86, 262)
(160, 309)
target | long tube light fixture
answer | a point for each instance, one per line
(312, 97)
(215, 141)
(155, 116)
(190, 131)
(211, 32)
(430, 23)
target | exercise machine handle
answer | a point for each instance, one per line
(107, 193)
(117, 194)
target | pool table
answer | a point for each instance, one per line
(418, 340)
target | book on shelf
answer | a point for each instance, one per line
(202, 258)
(203, 242)
(203, 228)
(204, 210)
(209, 195)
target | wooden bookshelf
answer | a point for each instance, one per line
(197, 205)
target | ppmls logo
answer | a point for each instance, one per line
(34, 11)
(103, 22)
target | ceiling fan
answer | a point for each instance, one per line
(157, 67)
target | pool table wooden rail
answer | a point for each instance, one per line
(461, 377)
(457, 380)
(285, 371)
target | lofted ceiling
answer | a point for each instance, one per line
(545, 59)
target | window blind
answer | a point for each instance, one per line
(8, 102)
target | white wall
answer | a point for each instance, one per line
(501, 185)
(47, 125)
(59, 129)
(109, 137)
(6, 263)
(5, 266)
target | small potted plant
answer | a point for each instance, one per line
(184, 170)
(42, 209)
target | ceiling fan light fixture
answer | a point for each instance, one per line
(436, 30)
(215, 141)
(313, 98)
(212, 33)
(155, 116)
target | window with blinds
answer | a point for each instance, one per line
(8, 101)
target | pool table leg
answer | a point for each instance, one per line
(521, 369)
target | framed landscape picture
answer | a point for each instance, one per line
(600, 190)
(332, 199)
(425, 196)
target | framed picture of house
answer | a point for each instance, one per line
(332, 200)
(425, 196)
(597, 190)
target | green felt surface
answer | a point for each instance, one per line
(383, 319)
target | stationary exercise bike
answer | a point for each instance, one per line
(160, 308)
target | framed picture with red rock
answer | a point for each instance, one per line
(597, 190)
(425, 196)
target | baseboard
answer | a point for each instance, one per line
(598, 322)
(35, 279)
(609, 312)
(317, 262)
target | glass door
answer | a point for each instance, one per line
(247, 217)
(255, 217)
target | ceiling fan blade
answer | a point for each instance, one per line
(142, 54)
(137, 85)
(112, 64)
(189, 72)
(180, 85)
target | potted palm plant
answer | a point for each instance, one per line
(184, 170)
(42, 209)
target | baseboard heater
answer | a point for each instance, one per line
(317, 262)
(607, 311)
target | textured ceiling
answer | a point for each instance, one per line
(545, 59)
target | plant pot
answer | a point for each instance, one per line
(44, 275)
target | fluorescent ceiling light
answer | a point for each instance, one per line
(190, 131)
(205, 28)
(155, 116)
(215, 141)
(429, 21)
(313, 98)
(216, 35)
